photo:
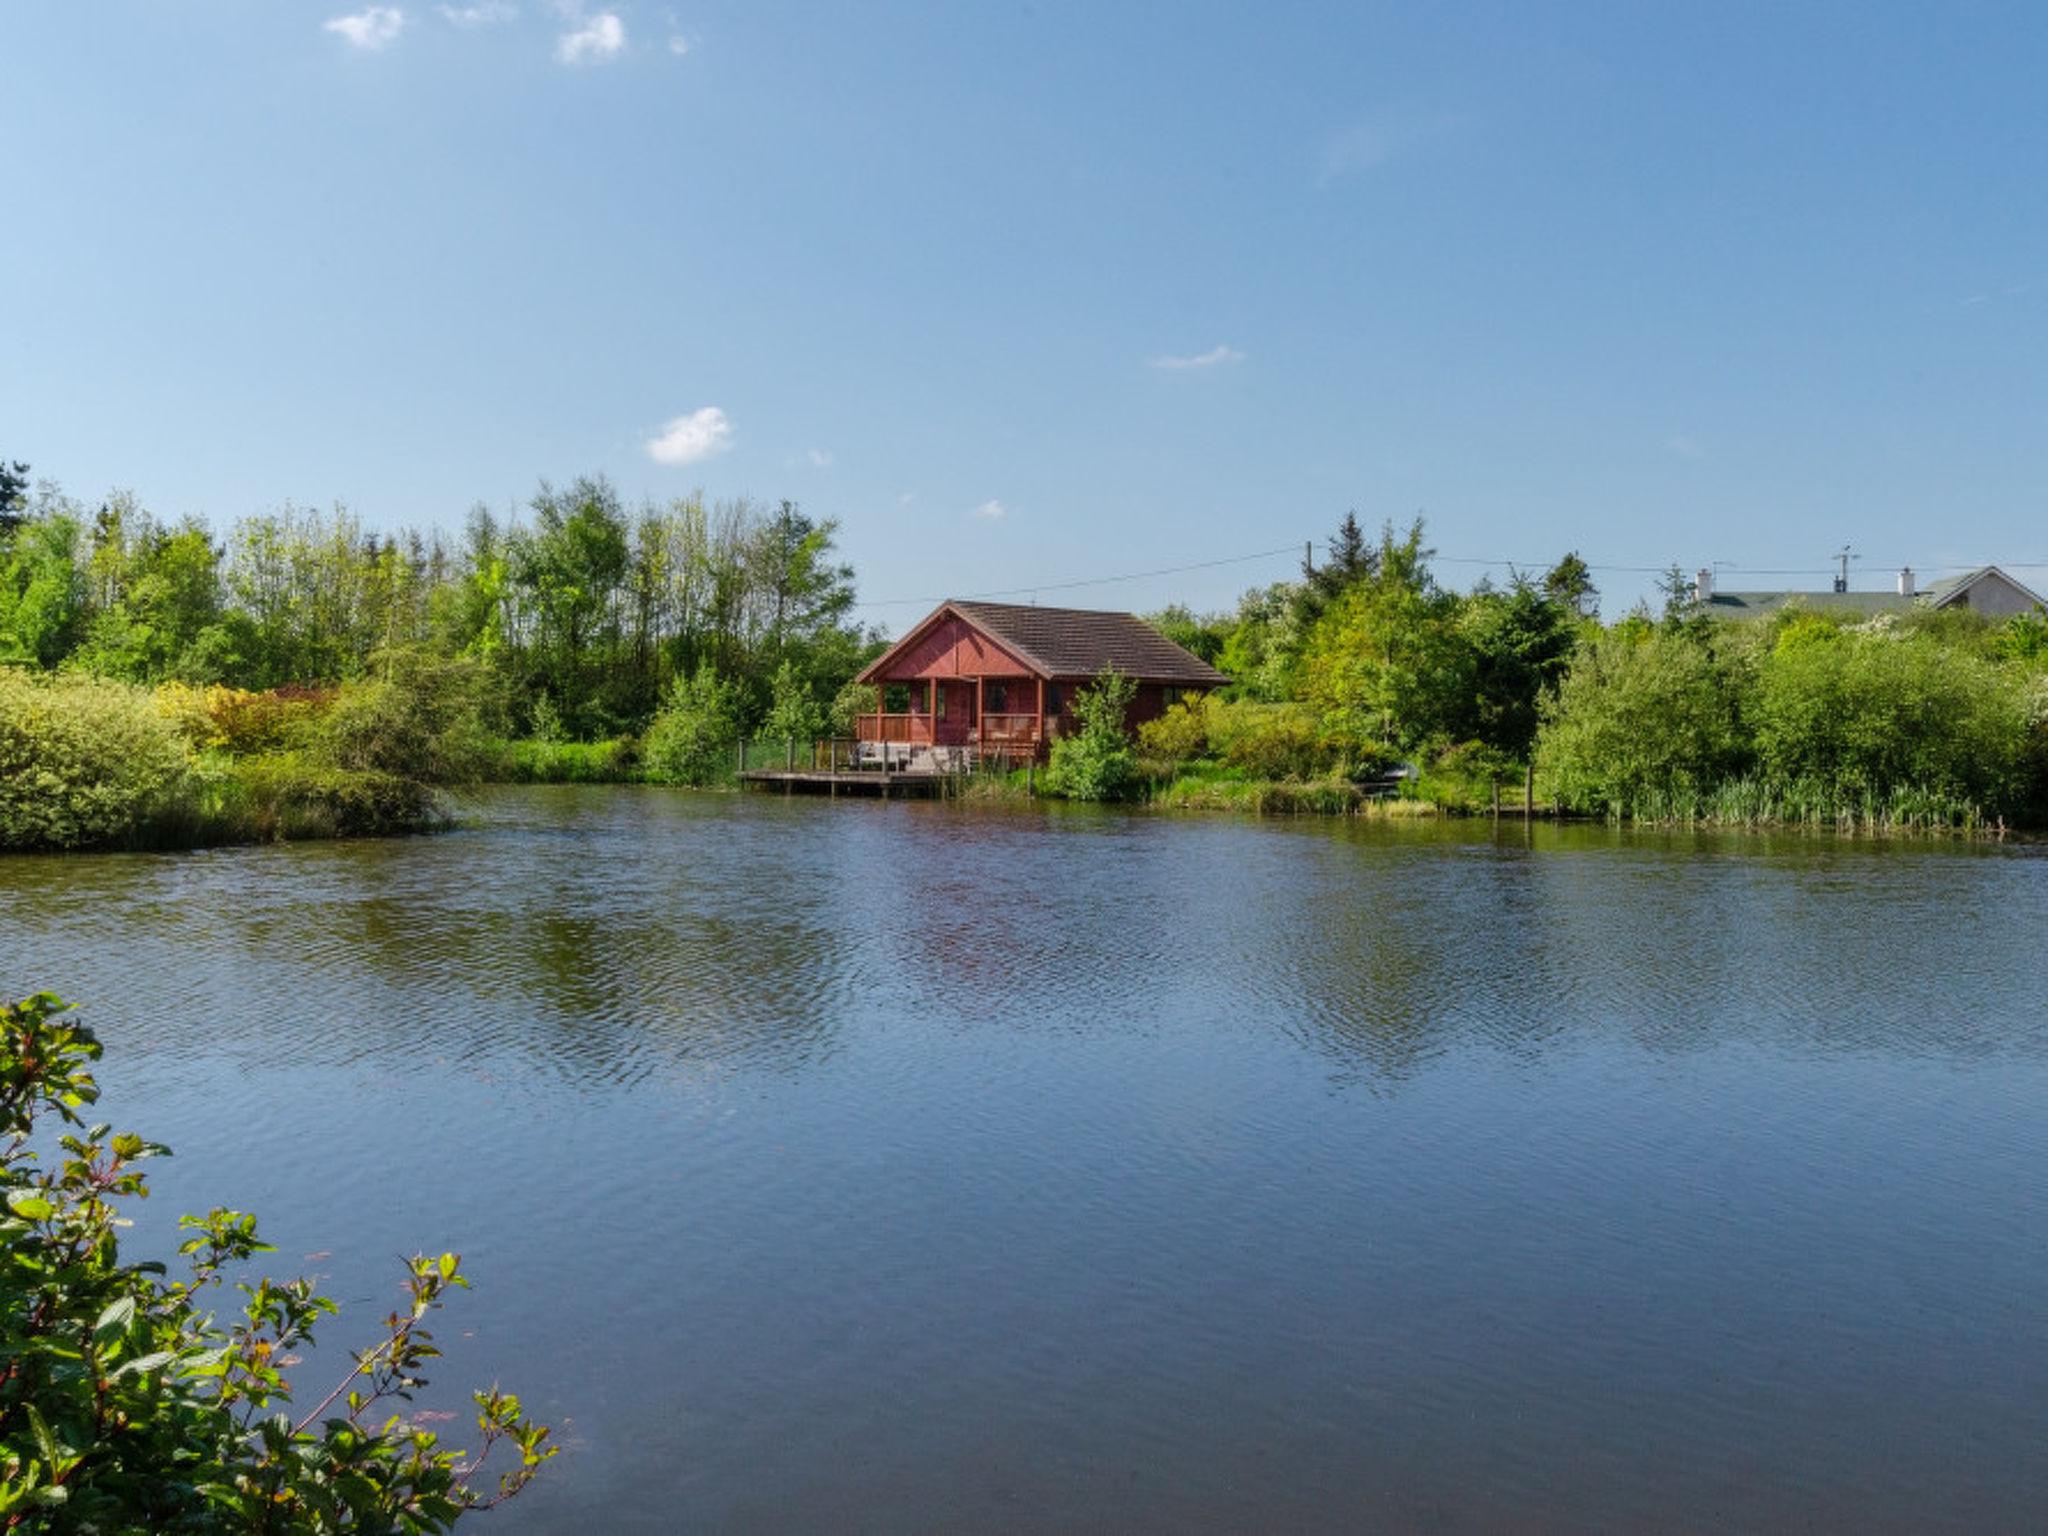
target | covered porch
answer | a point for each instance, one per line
(980, 714)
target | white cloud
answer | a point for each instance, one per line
(485, 13)
(991, 511)
(1209, 359)
(689, 438)
(373, 27)
(592, 39)
(678, 44)
(820, 458)
(1684, 446)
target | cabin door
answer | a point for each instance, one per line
(953, 712)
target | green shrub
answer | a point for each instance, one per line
(690, 741)
(125, 1406)
(1179, 735)
(292, 798)
(1860, 715)
(850, 703)
(86, 762)
(421, 718)
(1096, 762)
(1273, 741)
(1644, 721)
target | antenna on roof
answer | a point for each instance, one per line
(1843, 556)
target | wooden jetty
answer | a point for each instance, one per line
(837, 767)
(853, 781)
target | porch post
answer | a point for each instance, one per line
(980, 711)
(1038, 742)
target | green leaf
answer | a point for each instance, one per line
(29, 1206)
(116, 1317)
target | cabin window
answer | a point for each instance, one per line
(999, 698)
(896, 698)
(1171, 696)
(1052, 698)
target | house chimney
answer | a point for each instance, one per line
(1703, 584)
(1905, 581)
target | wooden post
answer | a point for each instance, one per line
(743, 756)
(789, 755)
(1496, 797)
(1529, 791)
(1038, 741)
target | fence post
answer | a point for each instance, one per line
(789, 757)
(742, 768)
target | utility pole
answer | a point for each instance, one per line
(1843, 556)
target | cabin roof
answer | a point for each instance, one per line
(1072, 642)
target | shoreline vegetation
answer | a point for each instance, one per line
(303, 677)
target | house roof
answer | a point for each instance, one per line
(1756, 605)
(1936, 594)
(1074, 642)
(1949, 588)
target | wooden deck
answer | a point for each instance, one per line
(866, 781)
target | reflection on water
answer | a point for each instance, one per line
(905, 1167)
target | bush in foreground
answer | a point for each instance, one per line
(124, 1406)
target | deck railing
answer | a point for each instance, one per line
(913, 730)
(1008, 731)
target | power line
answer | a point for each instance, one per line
(1435, 558)
(1088, 581)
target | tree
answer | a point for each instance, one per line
(1387, 663)
(1198, 635)
(1570, 582)
(793, 715)
(42, 590)
(1096, 762)
(1349, 561)
(1521, 641)
(13, 495)
(124, 1405)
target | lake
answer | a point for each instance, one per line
(905, 1167)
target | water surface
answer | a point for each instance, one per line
(899, 1167)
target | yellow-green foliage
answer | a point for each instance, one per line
(239, 721)
(1278, 741)
(1179, 734)
(85, 762)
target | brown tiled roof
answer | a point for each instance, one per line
(1079, 642)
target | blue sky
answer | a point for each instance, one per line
(1028, 293)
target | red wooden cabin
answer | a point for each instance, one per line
(1000, 677)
